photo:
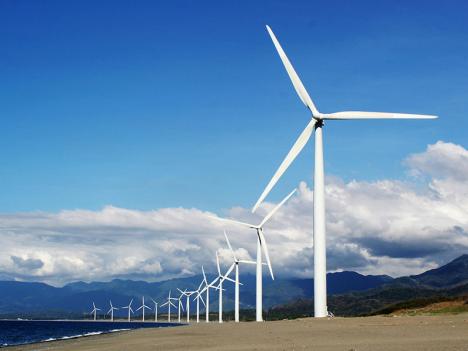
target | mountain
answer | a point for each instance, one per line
(444, 283)
(449, 276)
(24, 299)
(350, 293)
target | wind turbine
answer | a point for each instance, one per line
(129, 307)
(236, 266)
(169, 304)
(155, 310)
(221, 278)
(142, 308)
(187, 302)
(207, 289)
(180, 304)
(199, 297)
(316, 123)
(95, 309)
(261, 245)
(111, 310)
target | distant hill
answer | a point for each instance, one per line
(350, 293)
(24, 299)
(440, 284)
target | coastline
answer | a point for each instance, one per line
(441, 332)
(39, 331)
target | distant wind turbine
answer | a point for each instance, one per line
(111, 310)
(129, 307)
(221, 279)
(169, 303)
(207, 289)
(261, 246)
(142, 308)
(237, 283)
(155, 310)
(316, 123)
(198, 297)
(180, 305)
(187, 294)
(95, 309)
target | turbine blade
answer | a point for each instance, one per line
(199, 287)
(231, 280)
(230, 247)
(229, 270)
(292, 154)
(268, 216)
(374, 115)
(248, 262)
(203, 301)
(233, 221)
(217, 263)
(265, 251)
(214, 281)
(296, 81)
(204, 275)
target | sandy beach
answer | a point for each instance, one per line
(445, 332)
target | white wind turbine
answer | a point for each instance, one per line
(129, 307)
(222, 278)
(316, 123)
(142, 308)
(198, 297)
(95, 309)
(235, 265)
(187, 294)
(180, 305)
(155, 310)
(111, 310)
(169, 303)
(261, 246)
(207, 289)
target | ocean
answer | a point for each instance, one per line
(19, 332)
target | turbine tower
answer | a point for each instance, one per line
(142, 308)
(261, 246)
(95, 309)
(317, 123)
(111, 310)
(129, 307)
(155, 310)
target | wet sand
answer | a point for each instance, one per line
(445, 332)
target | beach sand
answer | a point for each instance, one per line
(444, 332)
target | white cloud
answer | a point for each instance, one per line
(383, 227)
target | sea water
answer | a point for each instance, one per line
(19, 332)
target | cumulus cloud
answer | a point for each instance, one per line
(383, 227)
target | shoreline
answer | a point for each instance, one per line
(117, 326)
(385, 333)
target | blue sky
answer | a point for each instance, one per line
(185, 103)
